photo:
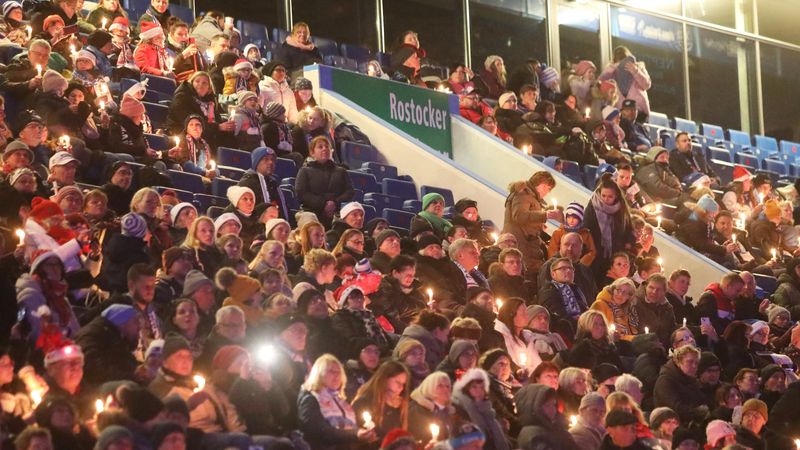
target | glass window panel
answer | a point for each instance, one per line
(516, 30)
(658, 43)
(722, 79)
(345, 21)
(723, 12)
(666, 6)
(439, 24)
(579, 32)
(779, 69)
(777, 19)
(268, 12)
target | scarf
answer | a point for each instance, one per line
(482, 414)
(56, 294)
(297, 44)
(625, 317)
(574, 304)
(605, 219)
(336, 411)
(207, 107)
(243, 84)
(198, 151)
(161, 18)
(374, 330)
(438, 223)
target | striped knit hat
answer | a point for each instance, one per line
(134, 225)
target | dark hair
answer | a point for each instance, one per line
(344, 260)
(266, 274)
(374, 391)
(527, 88)
(723, 213)
(544, 366)
(400, 262)
(140, 270)
(736, 333)
(721, 393)
(174, 23)
(679, 273)
(623, 165)
(607, 182)
(621, 255)
(215, 14)
(646, 264)
(452, 231)
(454, 66)
(508, 311)
(431, 320)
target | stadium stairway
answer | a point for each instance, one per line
(481, 166)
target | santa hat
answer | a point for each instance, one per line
(740, 173)
(131, 107)
(86, 54)
(63, 353)
(120, 23)
(40, 256)
(150, 30)
(344, 292)
(42, 209)
(137, 89)
(242, 63)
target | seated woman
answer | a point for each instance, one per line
(739, 197)
(182, 216)
(147, 203)
(244, 292)
(311, 123)
(385, 396)
(44, 286)
(105, 13)
(243, 205)
(193, 154)
(463, 355)
(297, 50)
(502, 386)
(677, 386)
(354, 323)
(126, 132)
(200, 239)
(271, 257)
(616, 302)
(511, 322)
(196, 96)
(432, 213)
(321, 185)
(620, 268)
(351, 243)
(472, 404)
(593, 344)
(150, 55)
(430, 404)
(184, 320)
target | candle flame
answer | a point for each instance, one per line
(20, 234)
(573, 420)
(495, 237)
(434, 432)
(99, 406)
(36, 397)
(200, 382)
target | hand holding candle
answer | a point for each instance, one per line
(38, 70)
(368, 423)
(434, 432)
(200, 382)
(774, 254)
(523, 359)
(430, 297)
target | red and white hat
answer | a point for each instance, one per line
(121, 23)
(63, 353)
(242, 63)
(150, 30)
(741, 173)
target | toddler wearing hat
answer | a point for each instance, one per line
(573, 223)
(240, 77)
(246, 120)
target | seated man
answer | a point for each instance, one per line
(507, 278)
(450, 291)
(562, 297)
(636, 137)
(684, 160)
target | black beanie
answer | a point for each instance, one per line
(385, 234)
(161, 430)
(604, 371)
(305, 299)
(707, 361)
(140, 404)
(465, 203)
(173, 344)
(174, 404)
(99, 38)
(428, 239)
(489, 358)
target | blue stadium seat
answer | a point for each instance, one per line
(713, 132)
(572, 170)
(279, 35)
(380, 171)
(719, 153)
(747, 159)
(767, 143)
(589, 176)
(325, 46)
(356, 52)
(449, 200)
(685, 125)
(234, 173)
(777, 166)
(160, 84)
(358, 196)
(232, 157)
(794, 169)
(157, 114)
(739, 139)
(789, 150)
(354, 155)
(667, 136)
(182, 12)
(403, 189)
(220, 185)
(158, 142)
(187, 181)
(364, 181)
(369, 213)
(658, 119)
(289, 198)
(285, 167)
(183, 195)
(214, 211)
(384, 59)
(767, 283)
(381, 201)
(341, 62)
(205, 201)
(723, 169)
(255, 31)
(412, 206)
(398, 218)
(288, 181)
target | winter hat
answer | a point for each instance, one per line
(629, 103)
(243, 96)
(458, 348)
(242, 63)
(235, 193)
(404, 347)
(226, 217)
(350, 207)
(173, 403)
(17, 173)
(548, 76)
(344, 292)
(161, 430)
(774, 311)
(99, 38)
(584, 66)
(757, 326)
(156, 348)
(53, 19)
(490, 60)
(150, 30)
(768, 371)
(258, 154)
(465, 434)
(756, 405)
(131, 107)
(303, 217)
(195, 279)
(302, 84)
(61, 158)
(140, 404)
(427, 240)
(63, 192)
(63, 353)
(574, 209)
(272, 223)
(53, 81)
(120, 23)
(402, 54)
(9, 6)
(305, 299)
(708, 204)
(535, 310)
(86, 54)
(605, 371)
(660, 415)
(707, 361)
(418, 227)
(429, 198)
(111, 435)
(771, 210)
(592, 399)
(620, 417)
(134, 225)
(741, 173)
(17, 146)
(249, 47)
(610, 113)
(681, 435)
(385, 234)
(238, 287)
(398, 438)
(171, 255)
(362, 266)
(119, 314)
(42, 209)
(174, 343)
(226, 356)
(173, 213)
(273, 110)
(490, 357)
(504, 97)
(717, 430)
(696, 179)
(139, 89)
(285, 321)
(464, 203)
(607, 85)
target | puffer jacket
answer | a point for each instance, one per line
(680, 392)
(273, 91)
(318, 183)
(149, 59)
(230, 81)
(657, 179)
(205, 31)
(525, 218)
(538, 431)
(788, 293)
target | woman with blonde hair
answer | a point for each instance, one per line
(616, 303)
(310, 236)
(324, 417)
(593, 342)
(430, 404)
(623, 401)
(311, 123)
(298, 50)
(200, 239)
(352, 243)
(147, 203)
(271, 256)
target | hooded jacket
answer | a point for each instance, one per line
(525, 218)
(280, 92)
(788, 292)
(104, 349)
(657, 179)
(538, 431)
(480, 413)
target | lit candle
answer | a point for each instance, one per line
(103, 23)
(495, 237)
(72, 50)
(170, 63)
(573, 420)
(39, 70)
(99, 406)
(430, 297)
(368, 423)
(200, 382)
(760, 197)
(527, 149)
(209, 55)
(797, 443)
(612, 328)
(774, 253)
(102, 105)
(658, 208)
(231, 112)
(36, 397)
(684, 322)
(20, 234)
(499, 303)
(588, 112)
(742, 218)
(523, 359)
(555, 204)
(177, 141)
(434, 432)
(64, 141)
(212, 165)
(660, 261)
(646, 330)
(659, 219)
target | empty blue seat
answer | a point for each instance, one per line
(369, 213)
(220, 185)
(381, 201)
(158, 142)
(214, 211)
(658, 119)
(789, 150)
(182, 12)
(354, 155)
(285, 167)
(325, 46)
(384, 59)
(234, 173)
(589, 176)
(723, 169)
(289, 198)
(446, 193)
(777, 166)
(572, 170)
(279, 35)
(356, 52)
(667, 137)
(187, 181)
(767, 143)
(380, 171)
(182, 194)
(364, 181)
(767, 283)
(255, 31)
(205, 201)
(719, 153)
(288, 181)
(685, 125)
(747, 159)
(403, 189)
(412, 206)
(358, 196)
(341, 62)
(157, 114)
(713, 132)
(739, 139)
(232, 157)
(160, 84)
(398, 218)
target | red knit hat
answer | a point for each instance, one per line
(42, 209)
(740, 173)
(130, 107)
(52, 20)
(226, 355)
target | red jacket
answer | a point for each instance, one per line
(151, 59)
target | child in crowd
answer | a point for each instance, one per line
(248, 130)
(193, 153)
(121, 38)
(573, 223)
(253, 54)
(239, 78)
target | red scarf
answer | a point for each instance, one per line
(61, 234)
(56, 294)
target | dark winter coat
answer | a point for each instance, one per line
(681, 166)
(107, 355)
(296, 58)
(119, 201)
(490, 338)
(524, 218)
(422, 414)
(678, 391)
(788, 294)
(659, 317)
(622, 239)
(697, 235)
(185, 103)
(658, 181)
(119, 254)
(124, 136)
(474, 229)
(435, 350)
(400, 308)
(352, 334)
(318, 183)
(260, 410)
(251, 180)
(506, 286)
(322, 338)
(538, 431)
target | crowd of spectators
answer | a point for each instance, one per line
(130, 319)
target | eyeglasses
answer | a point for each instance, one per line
(568, 268)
